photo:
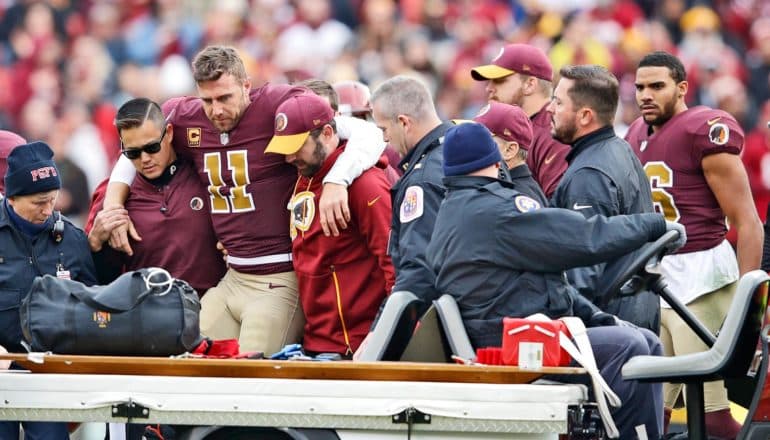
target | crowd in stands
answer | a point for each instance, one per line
(67, 65)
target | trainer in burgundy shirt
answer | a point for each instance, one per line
(167, 203)
(342, 280)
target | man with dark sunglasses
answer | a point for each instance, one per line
(150, 148)
(167, 203)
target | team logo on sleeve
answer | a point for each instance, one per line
(412, 206)
(719, 134)
(194, 137)
(302, 212)
(525, 204)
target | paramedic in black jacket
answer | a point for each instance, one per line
(34, 241)
(498, 253)
(402, 107)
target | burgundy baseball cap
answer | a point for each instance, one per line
(508, 122)
(295, 118)
(8, 141)
(516, 58)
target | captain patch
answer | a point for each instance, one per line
(719, 134)
(525, 204)
(412, 206)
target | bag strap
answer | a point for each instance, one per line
(584, 355)
(151, 286)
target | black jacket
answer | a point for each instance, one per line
(499, 254)
(416, 198)
(23, 258)
(605, 177)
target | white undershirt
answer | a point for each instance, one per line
(694, 274)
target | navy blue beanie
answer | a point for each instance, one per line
(469, 147)
(31, 170)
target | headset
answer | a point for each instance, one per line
(57, 231)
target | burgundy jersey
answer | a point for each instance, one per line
(672, 161)
(175, 226)
(547, 156)
(248, 189)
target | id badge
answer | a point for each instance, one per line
(62, 273)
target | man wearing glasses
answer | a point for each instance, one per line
(167, 203)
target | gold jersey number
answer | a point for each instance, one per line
(238, 200)
(662, 177)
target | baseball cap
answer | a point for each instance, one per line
(295, 118)
(508, 122)
(353, 97)
(516, 58)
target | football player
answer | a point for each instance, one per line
(691, 157)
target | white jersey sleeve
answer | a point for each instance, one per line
(123, 171)
(364, 148)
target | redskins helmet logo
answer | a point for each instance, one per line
(719, 134)
(281, 121)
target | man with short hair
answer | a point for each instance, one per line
(604, 177)
(692, 159)
(344, 279)
(512, 132)
(402, 107)
(35, 240)
(521, 74)
(167, 204)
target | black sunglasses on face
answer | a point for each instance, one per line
(151, 148)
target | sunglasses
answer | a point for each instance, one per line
(151, 148)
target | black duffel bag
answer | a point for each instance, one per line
(142, 313)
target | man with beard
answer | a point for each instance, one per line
(604, 177)
(522, 75)
(691, 157)
(344, 279)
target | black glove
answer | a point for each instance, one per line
(678, 243)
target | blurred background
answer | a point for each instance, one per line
(67, 65)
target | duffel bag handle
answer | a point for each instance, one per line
(151, 287)
(153, 271)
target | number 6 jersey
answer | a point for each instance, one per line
(672, 161)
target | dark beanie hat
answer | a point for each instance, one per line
(31, 170)
(469, 147)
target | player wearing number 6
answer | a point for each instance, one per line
(691, 157)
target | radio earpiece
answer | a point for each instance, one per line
(57, 232)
